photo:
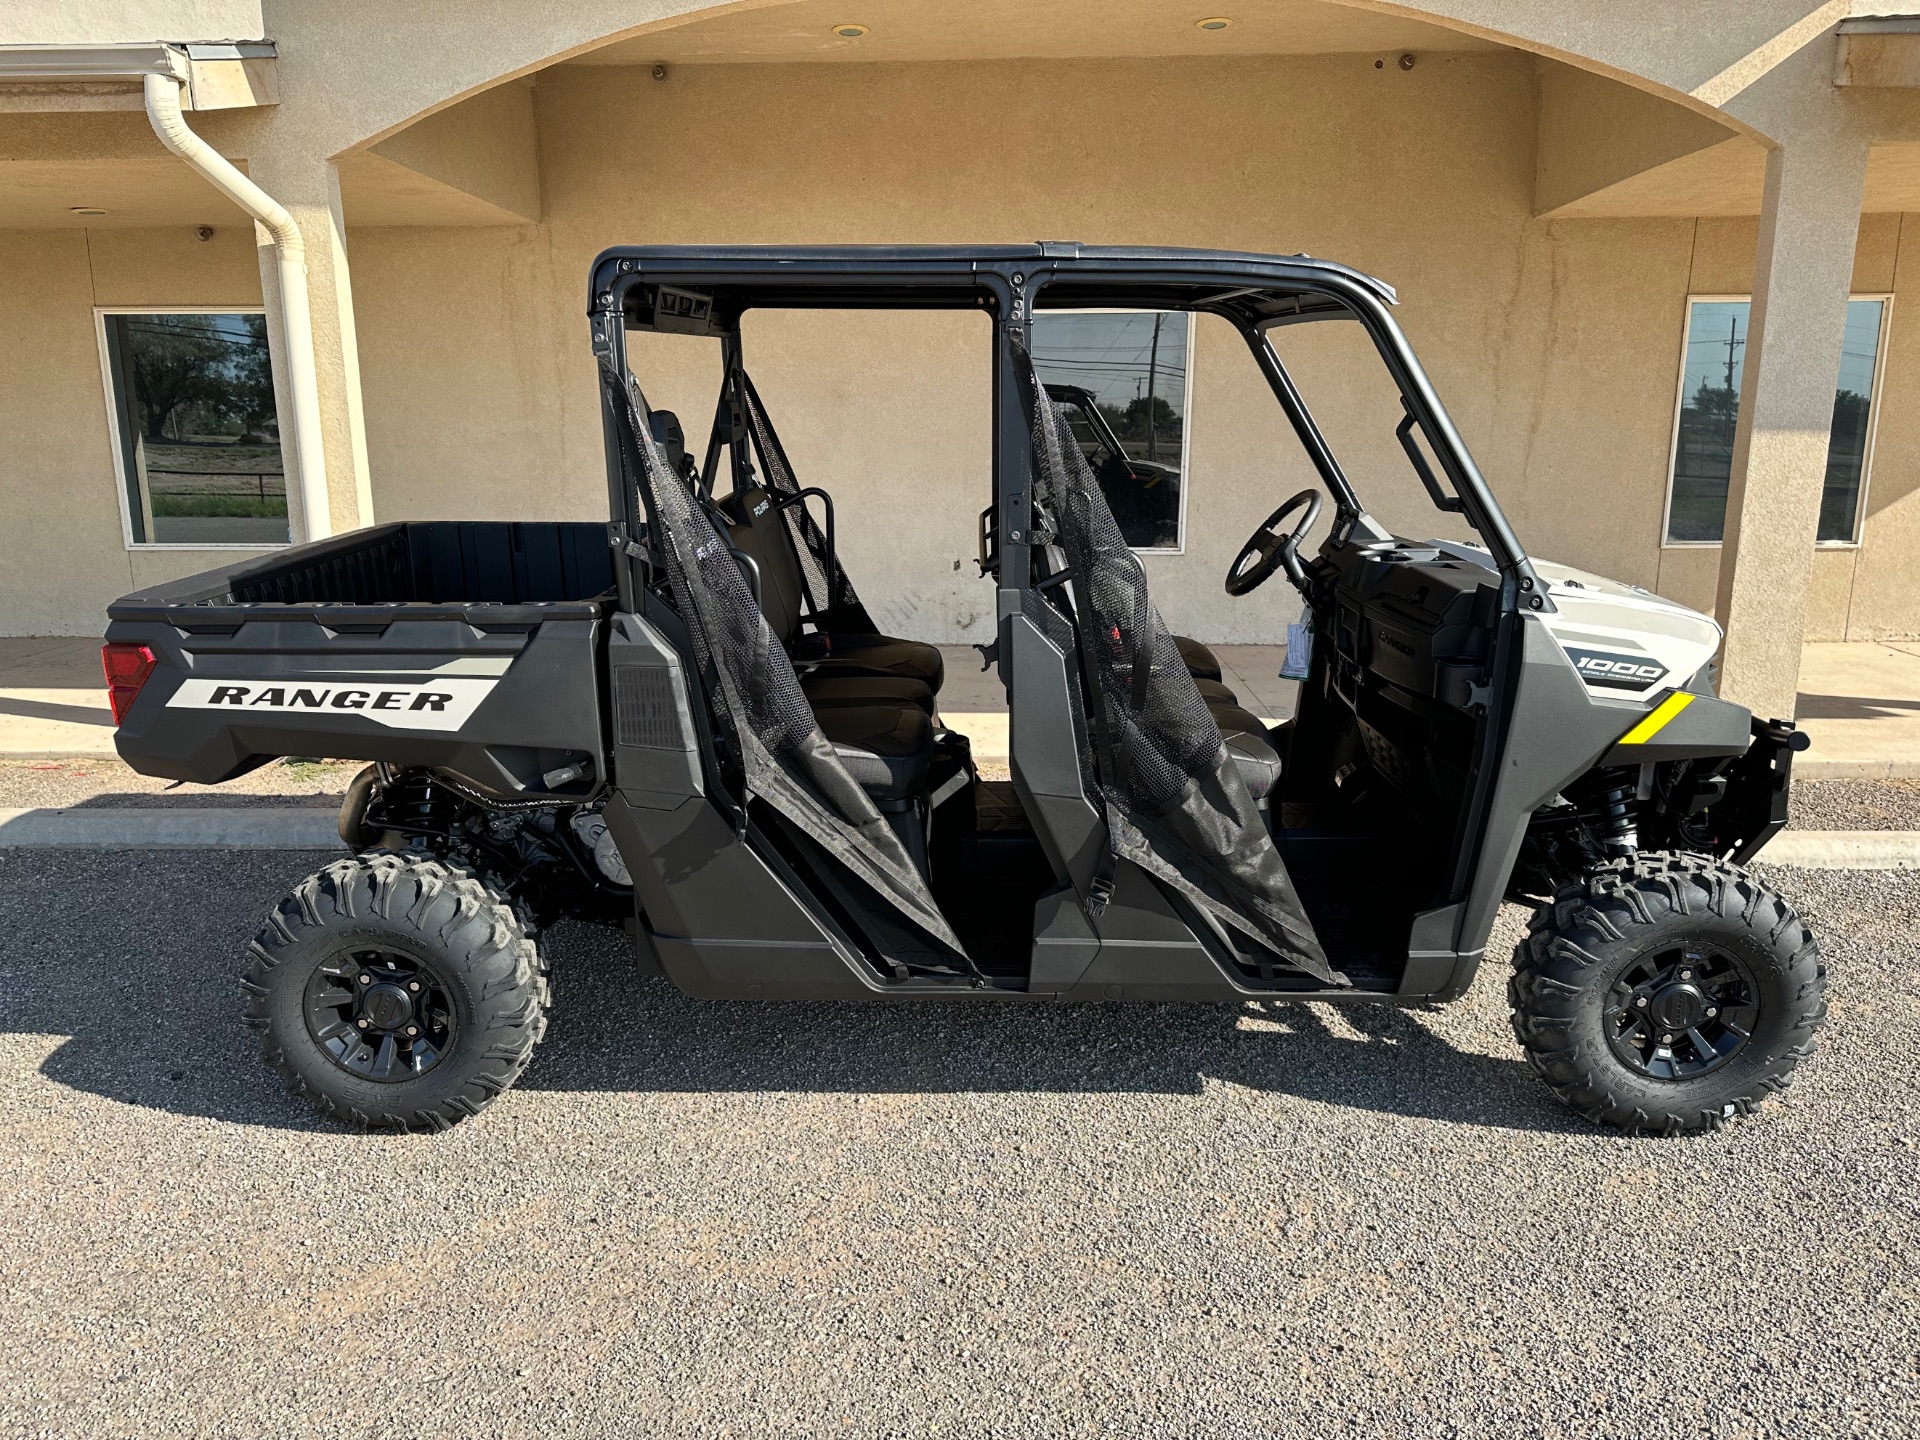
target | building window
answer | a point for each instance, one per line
(1124, 378)
(1710, 408)
(195, 429)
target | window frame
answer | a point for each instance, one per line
(1186, 411)
(1885, 297)
(117, 444)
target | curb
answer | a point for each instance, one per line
(262, 828)
(1844, 850)
(288, 828)
(1814, 768)
(59, 752)
(988, 730)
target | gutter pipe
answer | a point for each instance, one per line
(296, 313)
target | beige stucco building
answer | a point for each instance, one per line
(1574, 200)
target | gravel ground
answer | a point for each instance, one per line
(111, 783)
(795, 1220)
(1856, 805)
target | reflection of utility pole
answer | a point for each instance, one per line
(1732, 410)
(1153, 364)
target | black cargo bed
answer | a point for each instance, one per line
(469, 646)
(434, 569)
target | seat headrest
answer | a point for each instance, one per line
(753, 506)
(664, 426)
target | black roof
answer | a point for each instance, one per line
(1261, 289)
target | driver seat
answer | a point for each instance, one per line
(1201, 662)
(1251, 745)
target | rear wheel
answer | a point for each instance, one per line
(1666, 993)
(397, 993)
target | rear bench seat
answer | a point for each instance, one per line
(756, 529)
(872, 695)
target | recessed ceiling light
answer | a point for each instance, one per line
(88, 210)
(850, 32)
(1214, 22)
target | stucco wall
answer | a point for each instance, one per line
(111, 22)
(59, 506)
(1858, 593)
(1556, 343)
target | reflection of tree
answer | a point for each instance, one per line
(183, 361)
(249, 399)
(1716, 408)
(1849, 414)
(1164, 418)
(1130, 422)
(174, 360)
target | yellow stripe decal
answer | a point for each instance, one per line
(1657, 721)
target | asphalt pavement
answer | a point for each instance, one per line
(797, 1220)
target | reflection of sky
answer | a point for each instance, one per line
(231, 329)
(1108, 354)
(1862, 343)
(1714, 322)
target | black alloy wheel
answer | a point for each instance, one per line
(1681, 1012)
(396, 992)
(1667, 992)
(380, 1014)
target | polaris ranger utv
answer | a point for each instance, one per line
(686, 722)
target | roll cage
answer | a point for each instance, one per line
(706, 291)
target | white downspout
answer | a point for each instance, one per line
(303, 380)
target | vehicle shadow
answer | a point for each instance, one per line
(145, 1007)
(615, 1030)
(203, 797)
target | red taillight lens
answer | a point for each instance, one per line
(127, 668)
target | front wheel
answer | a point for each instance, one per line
(1666, 993)
(396, 992)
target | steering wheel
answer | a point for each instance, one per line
(1267, 550)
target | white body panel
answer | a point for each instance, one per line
(1622, 640)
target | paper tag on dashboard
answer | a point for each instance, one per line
(1299, 662)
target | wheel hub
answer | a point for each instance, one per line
(1680, 1012)
(1678, 1007)
(380, 1014)
(386, 1006)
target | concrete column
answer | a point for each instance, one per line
(1803, 268)
(311, 192)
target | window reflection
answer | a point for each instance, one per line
(1710, 411)
(198, 430)
(1123, 381)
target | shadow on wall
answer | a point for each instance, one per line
(124, 955)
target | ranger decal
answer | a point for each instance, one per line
(442, 704)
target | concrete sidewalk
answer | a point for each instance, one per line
(1860, 704)
(53, 700)
(1859, 701)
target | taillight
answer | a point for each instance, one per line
(127, 668)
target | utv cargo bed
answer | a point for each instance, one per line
(416, 638)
